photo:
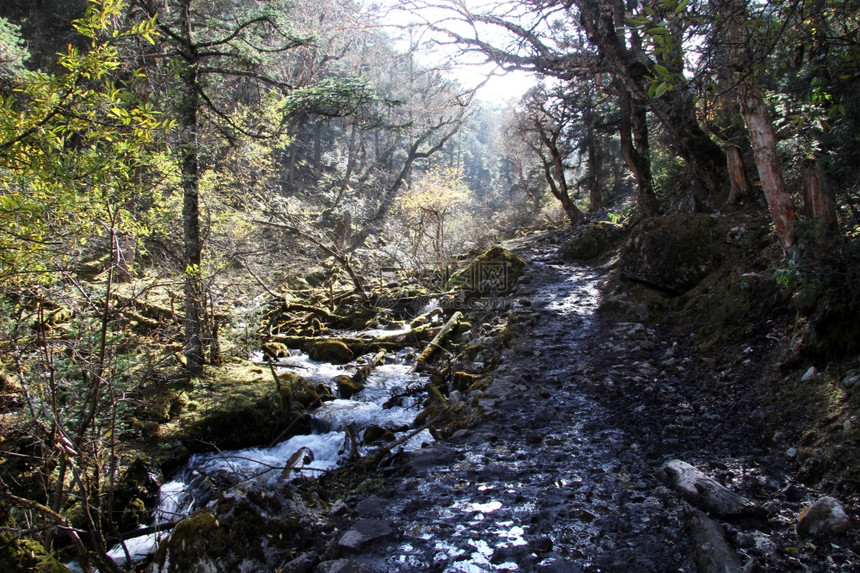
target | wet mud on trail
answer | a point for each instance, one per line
(548, 481)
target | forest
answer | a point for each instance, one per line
(222, 221)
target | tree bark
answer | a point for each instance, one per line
(711, 552)
(636, 158)
(188, 149)
(740, 185)
(675, 109)
(763, 141)
(704, 491)
(817, 200)
(594, 160)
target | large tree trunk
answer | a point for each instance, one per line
(675, 109)
(562, 191)
(763, 141)
(594, 160)
(760, 128)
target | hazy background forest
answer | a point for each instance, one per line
(213, 154)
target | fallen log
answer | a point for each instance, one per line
(158, 527)
(711, 552)
(437, 341)
(705, 492)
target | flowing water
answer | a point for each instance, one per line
(206, 474)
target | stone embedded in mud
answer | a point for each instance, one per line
(342, 566)
(373, 506)
(363, 533)
(301, 564)
(824, 517)
(334, 351)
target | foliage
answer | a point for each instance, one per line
(75, 148)
(72, 148)
(427, 213)
(13, 52)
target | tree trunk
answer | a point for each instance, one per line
(705, 492)
(573, 213)
(817, 200)
(763, 141)
(740, 185)
(126, 248)
(676, 109)
(711, 552)
(191, 219)
(636, 159)
(593, 160)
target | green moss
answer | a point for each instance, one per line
(347, 387)
(24, 554)
(334, 351)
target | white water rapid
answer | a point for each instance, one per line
(391, 399)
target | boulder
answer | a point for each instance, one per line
(824, 517)
(347, 387)
(496, 271)
(591, 240)
(275, 350)
(673, 252)
(374, 433)
(334, 351)
(363, 533)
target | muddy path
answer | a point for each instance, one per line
(548, 481)
(561, 473)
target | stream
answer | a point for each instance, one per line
(558, 475)
(391, 399)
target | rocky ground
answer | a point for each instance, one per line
(561, 475)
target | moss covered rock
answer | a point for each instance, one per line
(334, 351)
(347, 387)
(591, 241)
(674, 252)
(494, 272)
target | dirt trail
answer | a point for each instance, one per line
(548, 482)
(561, 473)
